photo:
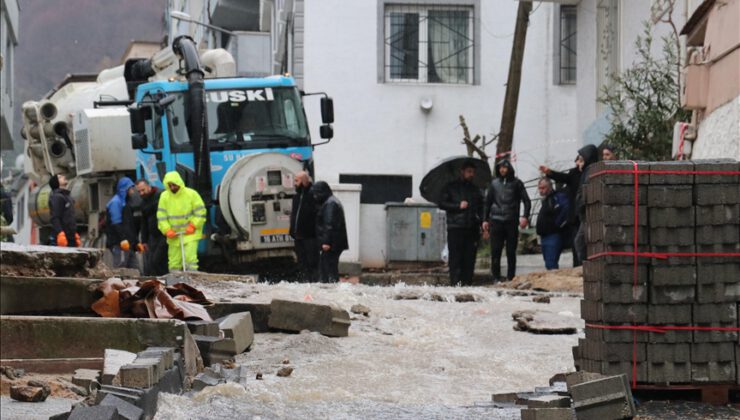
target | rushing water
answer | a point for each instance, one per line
(429, 357)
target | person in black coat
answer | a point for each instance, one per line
(153, 244)
(547, 226)
(62, 208)
(572, 181)
(7, 212)
(331, 231)
(503, 199)
(303, 228)
(463, 203)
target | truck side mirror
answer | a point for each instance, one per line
(327, 110)
(137, 118)
(138, 141)
(326, 131)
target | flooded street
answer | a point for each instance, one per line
(419, 353)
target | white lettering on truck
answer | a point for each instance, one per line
(251, 95)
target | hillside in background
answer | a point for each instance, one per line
(60, 37)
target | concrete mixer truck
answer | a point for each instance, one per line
(238, 141)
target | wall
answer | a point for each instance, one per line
(8, 42)
(719, 133)
(380, 127)
(349, 196)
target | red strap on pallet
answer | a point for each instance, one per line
(661, 255)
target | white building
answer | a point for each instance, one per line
(8, 42)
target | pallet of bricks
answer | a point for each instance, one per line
(667, 315)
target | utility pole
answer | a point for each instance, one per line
(511, 100)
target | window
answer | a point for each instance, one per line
(429, 44)
(567, 45)
(380, 189)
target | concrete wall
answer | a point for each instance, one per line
(719, 133)
(380, 127)
(373, 235)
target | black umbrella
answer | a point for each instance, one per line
(433, 185)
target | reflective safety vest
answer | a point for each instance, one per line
(177, 210)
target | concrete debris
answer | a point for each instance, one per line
(284, 372)
(48, 261)
(603, 398)
(126, 410)
(95, 412)
(547, 414)
(360, 309)
(541, 299)
(238, 331)
(298, 316)
(87, 378)
(81, 391)
(29, 393)
(465, 297)
(541, 322)
(112, 363)
(11, 373)
(260, 313)
(200, 327)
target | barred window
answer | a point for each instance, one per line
(567, 44)
(429, 44)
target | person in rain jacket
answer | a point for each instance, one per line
(181, 215)
(62, 208)
(589, 155)
(121, 233)
(303, 228)
(503, 221)
(463, 203)
(153, 243)
(331, 231)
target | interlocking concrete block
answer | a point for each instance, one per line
(672, 235)
(615, 195)
(207, 328)
(613, 312)
(126, 410)
(138, 375)
(713, 194)
(617, 335)
(95, 412)
(238, 327)
(548, 401)
(602, 271)
(712, 352)
(718, 214)
(662, 196)
(606, 398)
(666, 172)
(717, 292)
(260, 312)
(617, 215)
(665, 259)
(297, 316)
(672, 295)
(146, 399)
(547, 414)
(612, 352)
(669, 373)
(716, 165)
(614, 292)
(167, 354)
(671, 217)
(603, 172)
(720, 234)
(713, 372)
(671, 336)
(677, 353)
(625, 368)
(718, 248)
(208, 353)
(715, 336)
(715, 312)
(673, 275)
(726, 272)
(669, 314)
(86, 378)
(579, 377)
(617, 235)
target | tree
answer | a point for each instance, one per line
(644, 102)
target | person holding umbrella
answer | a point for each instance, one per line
(463, 202)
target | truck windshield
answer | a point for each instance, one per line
(248, 119)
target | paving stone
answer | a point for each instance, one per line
(719, 164)
(112, 362)
(673, 260)
(715, 336)
(156, 362)
(614, 292)
(603, 398)
(86, 378)
(505, 398)
(714, 194)
(297, 316)
(717, 248)
(613, 312)
(671, 217)
(602, 271)
(669, 373)
(718, 292)
(617, 235)
(712, 313)
(713, 372)
(598, 172)
(718, 214)
(617, 336)
(613, 352)
(260, 312)
(126, 410)
(673, 275)
(579, 377)
(614, 194)
(721, 234)
(547, 414)
(239, 328)
(95, 412)
(671, 295)
(625, 368)
(207, 352)
(660, 196)
(617, 215)
(138, 375)
(660, 236)
(725, 272)
(669, 314)
(672, 178)
(146, 399)
(672, 336)
(712, 352)
(677, 353)
(167, 354)
(207, 328)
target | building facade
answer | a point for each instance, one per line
(8, 40)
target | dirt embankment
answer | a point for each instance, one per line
(567, 280)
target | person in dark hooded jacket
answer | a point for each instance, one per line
(503, 199)
(331, 231)
(303, 228)
(121, 233)
(572, 181)
(463, 203)
(153, 244)
(62, 208)
(589, 155)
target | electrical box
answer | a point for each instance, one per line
(416, 232)
(102, 141)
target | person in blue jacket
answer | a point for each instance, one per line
(121, 231)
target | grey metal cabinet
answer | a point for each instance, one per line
(416, 232)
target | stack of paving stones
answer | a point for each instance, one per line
(684, 213)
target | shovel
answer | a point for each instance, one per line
(182, 249)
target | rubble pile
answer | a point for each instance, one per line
(51, 261)
(669, 313)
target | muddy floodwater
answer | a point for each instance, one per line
(419, 354)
